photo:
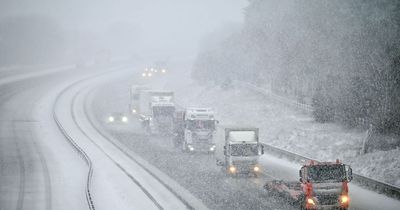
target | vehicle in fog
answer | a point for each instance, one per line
(135, 94)
(238, 150)
(157, 109)
(160, 66)
(117, 117)
(148, 72)
(322, 186)
(198, 130)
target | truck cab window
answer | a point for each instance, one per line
(201, 124)
(244, 149)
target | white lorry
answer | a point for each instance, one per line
(136, 93)
(238, 150)
(199, 130)
(157, 110)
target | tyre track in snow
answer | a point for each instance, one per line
(28, 140)
(21, 163)
(24, 166)
(21, 171)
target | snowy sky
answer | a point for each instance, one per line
(165, 25)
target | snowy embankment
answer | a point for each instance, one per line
(288, 128)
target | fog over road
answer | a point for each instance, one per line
(108, 105)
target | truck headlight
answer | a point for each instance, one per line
(133, 110)
(232, 169)
(149, 74)
(256, 169)
(124, 119)
(163, 70)
(344, 199)
(144, 74)
(111, 119)
(310, 201)
(190, 147)
(212, 148)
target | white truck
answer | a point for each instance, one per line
(157, 110)
(238, 150)
(136, 93)
(199, 130)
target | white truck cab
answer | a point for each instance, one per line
(199, 131)
(238, 149)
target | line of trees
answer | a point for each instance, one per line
(343, 57)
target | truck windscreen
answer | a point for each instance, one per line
(201, 124)
(322, 173)
(244, 149)
(163, 111)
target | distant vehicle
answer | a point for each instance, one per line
(135, 94)
(156, 110)
(198, 130)
(118, 117)
(238, 150)
(153, 71)
(321, 186)
(148, 72)
(160, 67)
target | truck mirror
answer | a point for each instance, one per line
(225, 152)
(301, 179)
(262, 149)
(220, 163)
(300, 174)
(349, 173)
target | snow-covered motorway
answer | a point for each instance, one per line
(39, 170)
(43, 141)
(131, 170)
(199, 174)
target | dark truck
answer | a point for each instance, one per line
(322, 185)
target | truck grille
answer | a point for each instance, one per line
(328, 199)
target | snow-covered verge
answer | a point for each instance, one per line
(287, 128)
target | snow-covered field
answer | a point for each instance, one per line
(285, 127)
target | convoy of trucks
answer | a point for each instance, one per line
(237, 149)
